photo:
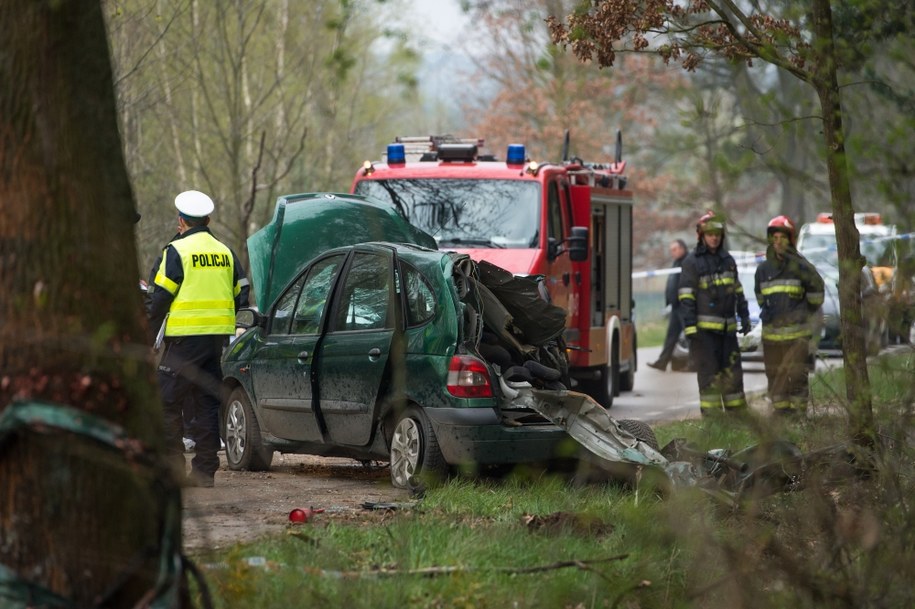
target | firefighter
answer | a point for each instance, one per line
(711, 301)
(198, 288)
(790, 293)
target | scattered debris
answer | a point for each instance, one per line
(386, 506)
(762, 469)
(565, 522)
(299, 515)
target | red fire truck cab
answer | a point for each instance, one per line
(530, 219)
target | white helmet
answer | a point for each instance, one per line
(194, 204)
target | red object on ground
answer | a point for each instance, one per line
(299, 515)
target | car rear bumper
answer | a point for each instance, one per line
(478, 436)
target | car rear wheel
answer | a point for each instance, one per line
(244, 448)
(415, 454)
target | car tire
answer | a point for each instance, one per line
(416, 458)
(641, 431)
(244, 448)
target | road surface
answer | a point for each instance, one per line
(671, 396)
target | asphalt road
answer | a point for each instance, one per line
(672, 396)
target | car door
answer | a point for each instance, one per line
(560, 283)
(354, 352)
(282, 370)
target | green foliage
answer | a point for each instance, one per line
(651, 333)
(201, 86)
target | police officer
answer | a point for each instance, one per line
(150, 289)
(197, 290)
(790, 293)
(711, 300)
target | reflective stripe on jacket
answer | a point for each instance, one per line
(711, 297)
(789, 291)
(204, 302)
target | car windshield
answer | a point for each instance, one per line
(465, 213)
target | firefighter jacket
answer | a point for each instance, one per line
(789, 291)
(199, 285)
(711, 297)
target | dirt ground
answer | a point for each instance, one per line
(244, 506)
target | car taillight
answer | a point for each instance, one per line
(468, 377)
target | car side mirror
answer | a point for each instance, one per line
(553, 248)
(248, 317)
(578, 244)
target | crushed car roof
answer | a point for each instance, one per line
(306, 225)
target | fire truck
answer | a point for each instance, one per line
(569, 222)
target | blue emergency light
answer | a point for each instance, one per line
(396, 153)
(515, 154)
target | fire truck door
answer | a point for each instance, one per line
(560, 280)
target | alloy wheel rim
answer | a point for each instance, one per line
(236, 429)
(405, 449)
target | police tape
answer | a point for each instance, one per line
(655, 273)
(757, 258)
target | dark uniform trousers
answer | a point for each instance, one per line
(716, 357)
(787, 369)
(190, 373)
(674, 328)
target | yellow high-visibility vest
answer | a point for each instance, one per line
(204, 301)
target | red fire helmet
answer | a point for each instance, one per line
(783, 224)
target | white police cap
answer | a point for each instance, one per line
(194, 204)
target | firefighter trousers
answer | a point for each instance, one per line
(786, 371)
(716, 358)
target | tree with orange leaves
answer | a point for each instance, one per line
(802, 42)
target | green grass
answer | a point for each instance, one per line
(651, 333)
(892, 379)
(849, 544)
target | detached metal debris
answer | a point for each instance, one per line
(763, 468)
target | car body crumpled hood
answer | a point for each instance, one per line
(306, 225)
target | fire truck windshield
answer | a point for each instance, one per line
(465, 213)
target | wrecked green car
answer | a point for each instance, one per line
(369, 343)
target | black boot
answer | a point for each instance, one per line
(658, 365)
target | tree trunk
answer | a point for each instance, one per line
(857, 385)
(89, 518)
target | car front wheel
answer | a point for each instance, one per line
(415, 453)
(244, 448)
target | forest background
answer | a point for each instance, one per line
(251, 100)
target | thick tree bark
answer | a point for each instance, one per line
(857, 385)
(80, 518)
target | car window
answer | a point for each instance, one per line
(420, 300)
(366, 296)
(282, 314)
(320, 280)
(555, 213)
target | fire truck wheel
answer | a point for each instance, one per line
(627, 379)
(608, 386)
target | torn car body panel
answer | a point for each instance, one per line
(590, 425)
